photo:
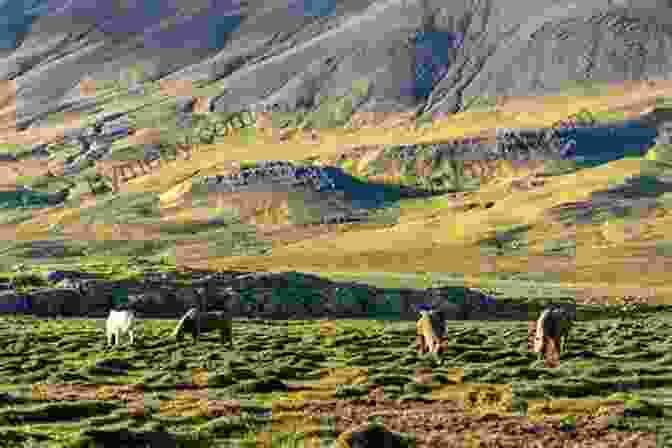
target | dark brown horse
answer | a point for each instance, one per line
(197, 322)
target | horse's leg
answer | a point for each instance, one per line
(565, 339)
(227, 332)
(430, 344)
(420, 344)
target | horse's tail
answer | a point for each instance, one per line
(190, 314)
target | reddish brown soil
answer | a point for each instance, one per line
(434, 424)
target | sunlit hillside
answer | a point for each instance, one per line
(430, 235)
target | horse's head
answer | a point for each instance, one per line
(424, 310)
(191, 313)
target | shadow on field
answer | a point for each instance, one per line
(126, 438)
(597, 145)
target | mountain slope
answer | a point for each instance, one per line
(415, 55)
(332, 69)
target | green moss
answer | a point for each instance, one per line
(245, 164)
(609, 116)
(560, 247)
(559, 167)
(335, 112)
(480, 103)
(361, 88)
(331, 113)
(11, 148)
(663, 102)
(347, 165)
(661, 153)
(585, 88)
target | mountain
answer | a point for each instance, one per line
(416, 55)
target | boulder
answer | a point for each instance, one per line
(55, 276)
(6, 157)
(12, 302)
(113, 366)
(369, 436)
(160, 303)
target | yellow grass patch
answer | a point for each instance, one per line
(620, 231)
(328, 328)
(478, 399)
(173, 195)
(326, 387)
(539, 409)
(343, 375)
(432, 242)
(186, 404)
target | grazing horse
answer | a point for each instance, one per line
(552, 331)
(197, 322)
(430, 328)
(118, 323)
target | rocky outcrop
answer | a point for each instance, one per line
(274, 172)
(434, 166)
(526, 144)
(96, 142)
(265, 295)
(365, 435)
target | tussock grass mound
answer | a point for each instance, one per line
(197, 387)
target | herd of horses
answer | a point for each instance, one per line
(549, 338)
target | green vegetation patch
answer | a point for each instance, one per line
(126, 208)
(560, 247)
(506, 241)
(559, 167)
(661, 153)
(12, 148)
(480, 104)
(585, 88)
(335, 112)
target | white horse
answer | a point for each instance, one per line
(118, 323)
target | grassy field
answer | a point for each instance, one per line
(512, 250)
(69, 391)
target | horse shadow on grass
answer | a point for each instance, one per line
(127, 438)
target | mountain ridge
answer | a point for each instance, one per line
(436, 74)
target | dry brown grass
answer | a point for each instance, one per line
(144, 136)
(445, 241)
